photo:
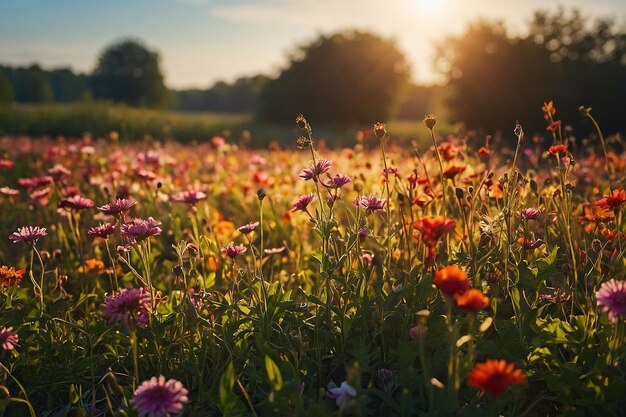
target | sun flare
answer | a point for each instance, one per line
(429, 6)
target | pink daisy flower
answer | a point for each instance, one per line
(8, 339)
(130, 305)
(28, 234)
(158, 397)
(612, 298)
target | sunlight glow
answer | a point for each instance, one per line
(429, 6)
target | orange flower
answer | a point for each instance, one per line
(451, 280)
(448, 150)
(483, 151)
(434, 228)
(10, 276)
(452, 171)
(495, 376)
(554, 126)
(557, 149)
(472, 300)
(92, 265)
(612, 200)
(548, 108)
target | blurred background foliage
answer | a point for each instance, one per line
(345, 80)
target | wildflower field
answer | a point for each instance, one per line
(468, 275)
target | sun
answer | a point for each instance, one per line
(429, 6)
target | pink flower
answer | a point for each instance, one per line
(157, 397)
(612, 298)
(28, 234)
(8, 339)
(338, 181)
(369, 203)
(136, 230)
(189, 196)
(248, 228)
(302, 203)
(76, 202)
(9, 191)
(121, 205)
(28, 183)
(343, 393)
(530, 214)
(103, 230)
(130, 305)
(232, 251)
(319, 168)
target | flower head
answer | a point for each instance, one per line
(8, 339)
(556, 150)
(302, 203)
(369, 203)
(530, 214)
(136, 230)
(345, 392)
(130, 305)
(248, 228)
(451, 280)
(10, 276)
(612, 298)
(103, 230)
(28, 234)
(158, 397)
(76, 202)
(434, 228)
(495, 376)
(120, 205)
(472, 300)
(189, 196)
(338, 181)
(612, 200)
(232, 250)
(319, 167)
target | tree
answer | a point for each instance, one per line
(129, 73)
(343, 78)
(30, 85)
(6, 90)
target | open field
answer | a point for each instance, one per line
(467, 278)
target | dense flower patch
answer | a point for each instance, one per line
(459, 278)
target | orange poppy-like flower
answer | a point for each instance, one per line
(612, 200)
(548, 108)
(448, 150)
(472, 300)
(452, 171)
(483, 151)
(10, 276)
(433, 228)
(554, 126)
(495, 376)
(557, 149)
(224, 230)
(92, 265)
(451, 280)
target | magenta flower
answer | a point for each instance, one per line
(121, 205)
(612, 298)
(28, 234)
(189, 196)
(103, 230)
(58, 171)
(28, 183)
(130, 305)
(343, 393)
(232, 251)
(76, 202)
(338, 181)
(302, 203)
(149, 158)
(369, 203)
(248, 228)
(8, 339)
(136, 230)
(157, 397)
(530, 214)
(319, 168)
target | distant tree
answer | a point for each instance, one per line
(240, 97)
(129, 73)
(343, 78)
(6, 90)
(68, 86)
(495, 79)
(30, 85)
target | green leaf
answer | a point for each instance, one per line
(273, 373)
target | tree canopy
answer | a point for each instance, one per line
(343, 78)
(129, 73)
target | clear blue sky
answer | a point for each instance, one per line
(201, 41)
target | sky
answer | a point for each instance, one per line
(203, 41)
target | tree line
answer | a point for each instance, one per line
(353, 77)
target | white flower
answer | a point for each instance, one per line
(344, 392)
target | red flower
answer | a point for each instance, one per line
(453, 170)
(434, 228)
(554, 126)
(557, 149)
(613, 200)
(484, 151)
(472, 300)
(495, 376)
(451, 280)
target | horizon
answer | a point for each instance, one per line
(226, 40)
